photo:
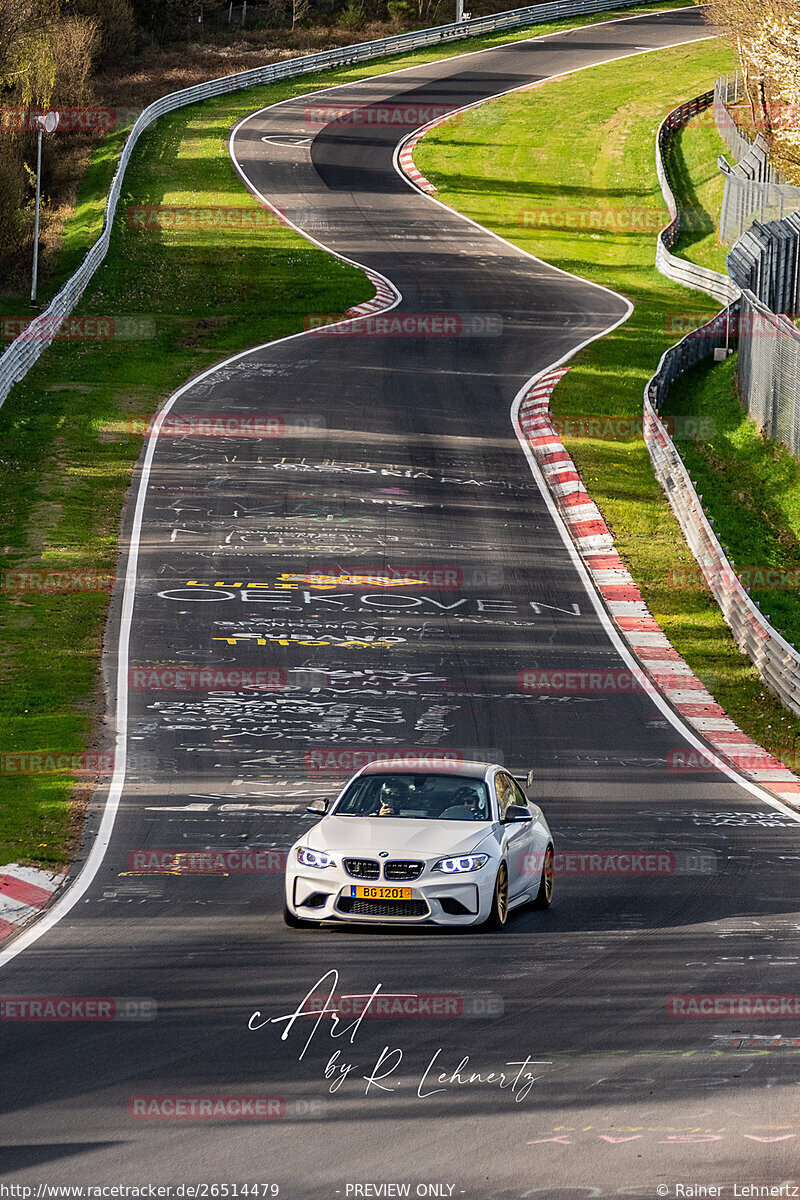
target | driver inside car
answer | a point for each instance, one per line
(465, 806)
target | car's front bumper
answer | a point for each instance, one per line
(325, 895)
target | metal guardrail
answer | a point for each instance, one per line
(681, 270)
(765, 263)
(689, 351)
(777, 662)
(754, 190)
(24, 351)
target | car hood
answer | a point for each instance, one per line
(398, 835)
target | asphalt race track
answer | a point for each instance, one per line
(396, 454)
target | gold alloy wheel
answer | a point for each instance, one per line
(501, 895)
(547, 875)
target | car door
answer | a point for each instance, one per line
(516, 837)
(537, 840)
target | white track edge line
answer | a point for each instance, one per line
(614, 637)
(102, 839)
(435, 62)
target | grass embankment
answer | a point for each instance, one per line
(508, 158)
(751, 487)
(66, 459)
(690, 158)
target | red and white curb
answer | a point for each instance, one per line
(406, 147)
(384, 298)
(406, 160)
(24, 892)
(405, 152)
(669, 673)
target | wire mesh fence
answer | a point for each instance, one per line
(764, 265)
(765, 261)
(754, 190)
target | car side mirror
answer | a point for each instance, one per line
(318, 807)
(530, 779)
(516, 815)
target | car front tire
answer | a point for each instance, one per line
(544, 897)
(498, 914)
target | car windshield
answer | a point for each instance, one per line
(421, 797)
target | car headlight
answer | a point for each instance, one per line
(314, 858)
(467, 862)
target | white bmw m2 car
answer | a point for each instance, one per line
(436, 845)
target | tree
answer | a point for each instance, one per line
(27, 59)
(767, 40)
(116, 28)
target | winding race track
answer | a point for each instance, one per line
(397, 454)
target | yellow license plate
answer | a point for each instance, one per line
(380, 893)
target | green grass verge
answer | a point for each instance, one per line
(67, 458)
(508, 158)
(196, 296)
